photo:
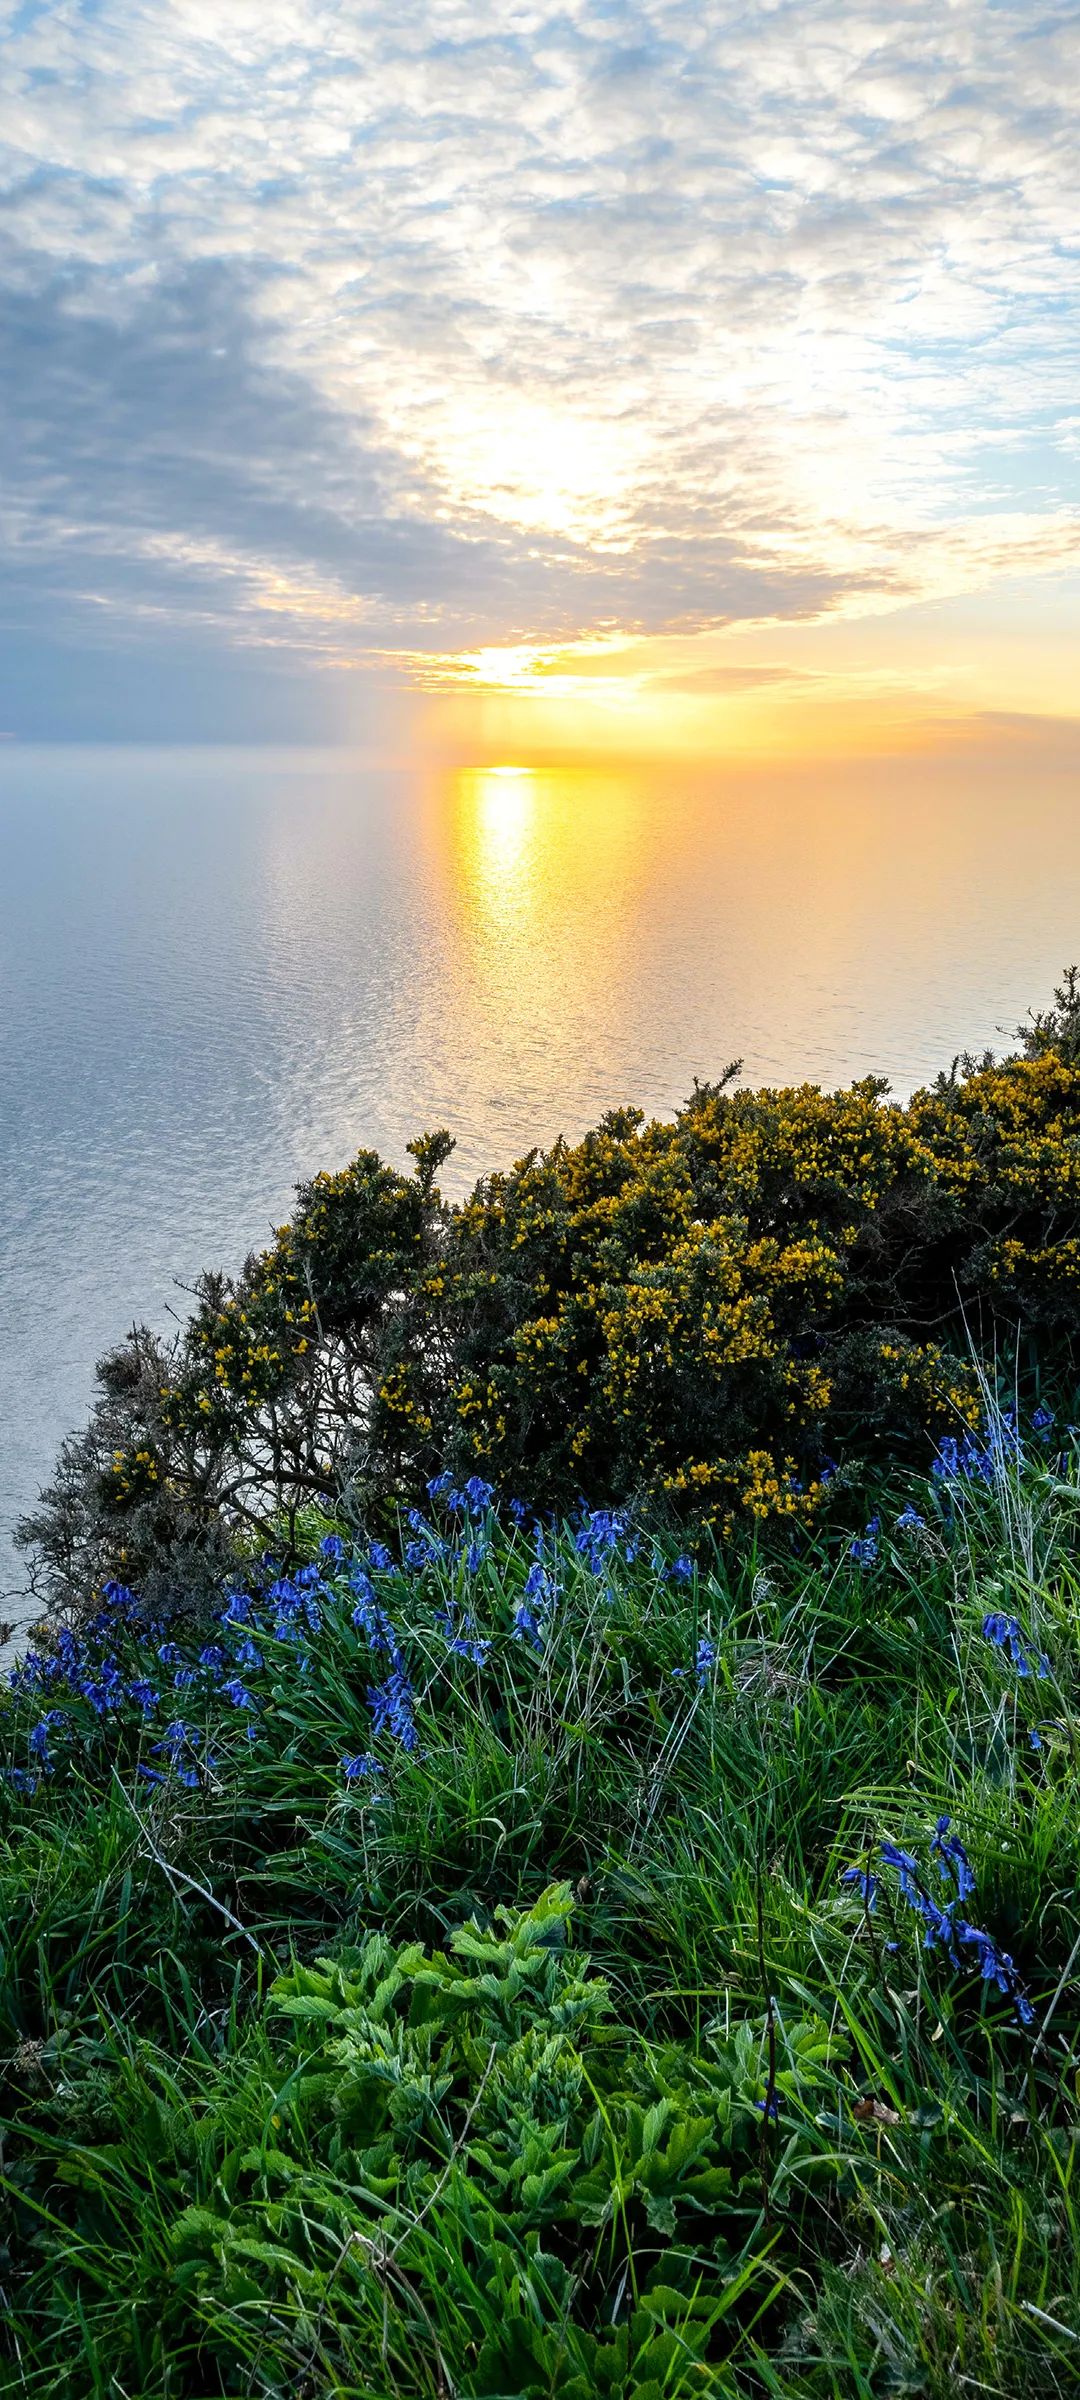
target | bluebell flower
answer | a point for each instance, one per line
(247, 1655)
(440, 1485)
(954, 1865)
(150, 1774)
(526, 1627)
(909, 1521)
(332, 1547)
(296, 1604)
(769, 2107)
(177, 1738)
(212, 1656)
(428, 1545)
(1034, 1740)
(944, 1926)
(391, 1704)
(478, 1495)
(996, 1966)
(106, 1690)
(28, 1674)
(861, 1880)
(1007, 1635)
(117, 1597)
(681, 1569)
(373, 1622)
(466, 1644)
(1042, 1421)
(863, 1552)
(170, 1655)
(938, 1925)
(474, 1557)
(934, 1921)
(237, 1692)
(534, 1607)
(143, 1694)
(599, 1536)
(516, 1511)
(238, 1610)
(365, 1612)
(184, 1678)
(704, 1661)
(358, 1764)
(39, 1735)
(906, 1867)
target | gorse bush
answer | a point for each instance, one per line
(511, 1960)
(701, 1314)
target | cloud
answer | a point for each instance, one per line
(344, 333)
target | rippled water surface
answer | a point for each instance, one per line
(220, 971)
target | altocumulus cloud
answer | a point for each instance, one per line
(349, 334)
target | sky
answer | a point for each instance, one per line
(534, 379)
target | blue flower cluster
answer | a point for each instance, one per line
(983, 1457)
(110, 1674)
(864, 1549)
(704, 1662)
(860, 1880)
(357, 1766)
(532, 1614)
(603, 1534)
(474, 1499)
(943, 1926)
(128, 1669)
(1007, 1635)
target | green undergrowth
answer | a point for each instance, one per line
(476, 1970)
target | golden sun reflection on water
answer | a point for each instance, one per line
(543, 871)
(542, 876)
(501, 804)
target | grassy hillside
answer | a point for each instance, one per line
(525, 1960)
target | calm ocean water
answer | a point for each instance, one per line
(221, 971)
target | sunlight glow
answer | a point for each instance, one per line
(501, 801)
